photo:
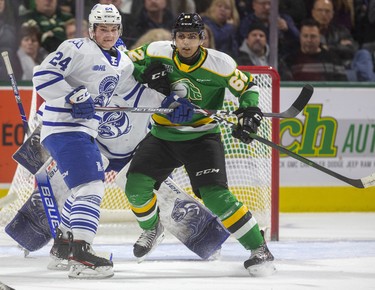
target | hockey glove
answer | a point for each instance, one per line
(248, 122)
(155, 75)
(183, 110)
(82, 103)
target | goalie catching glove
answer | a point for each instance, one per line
(82, 103)
(183, 110)
(155, 75)
(248, 122)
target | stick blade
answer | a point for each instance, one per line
(304, 97)
(368, 181)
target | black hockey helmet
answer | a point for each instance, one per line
(188, 22)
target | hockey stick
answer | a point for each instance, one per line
(48, 201)
(9, 69)
(298, 105)
(358, 183)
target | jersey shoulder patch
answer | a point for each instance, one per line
(219, 63)
(161, 49)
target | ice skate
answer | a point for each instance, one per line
(260, 263)
(148, 241)
(59, 253)
(85, 264)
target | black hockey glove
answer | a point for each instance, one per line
(248, 122)
(156, 77)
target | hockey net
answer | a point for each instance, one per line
(253, 170)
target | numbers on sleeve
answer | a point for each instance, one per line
(60, 61)
(238, 81)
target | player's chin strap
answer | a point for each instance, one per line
(298, 105)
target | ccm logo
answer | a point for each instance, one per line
(159, 74)
(207, 171)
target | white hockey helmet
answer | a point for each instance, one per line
(104, 14)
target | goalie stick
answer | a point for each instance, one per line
(42, 177)
(9, 69)
(298, 105)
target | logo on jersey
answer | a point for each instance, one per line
(106, 88)
(184, 88)
(114, 124)
(98, 67)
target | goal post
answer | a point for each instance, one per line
(253, 170)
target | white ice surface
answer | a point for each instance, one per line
(315, 251)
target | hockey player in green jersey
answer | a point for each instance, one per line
(196, 76)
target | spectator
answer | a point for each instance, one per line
(67, 6)
(70, 28)
(344, 13)
(30, 52)
(51, 21)
(254, 49)
(218, 17)
(177, 7)
(154, 14)
(208, 40)
(244, 7)
(8, 40)
(155, 34)
(202, 5)
(295, 9)
(287, 31)
(365, 25)
(312, 62)
(338, 40)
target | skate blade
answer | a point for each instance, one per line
(158, 241)
(80, 271)
(58, 265)
(262, 270)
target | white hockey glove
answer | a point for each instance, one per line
(82, 103)
(183, 109)
(248, 122)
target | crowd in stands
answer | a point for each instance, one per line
(318, 40)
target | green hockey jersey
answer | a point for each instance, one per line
(203, 83)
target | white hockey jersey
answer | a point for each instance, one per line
(79, 62)
(120, 132)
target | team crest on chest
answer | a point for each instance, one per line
(184, 88)
(106, 88)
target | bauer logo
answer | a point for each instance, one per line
(98, 67)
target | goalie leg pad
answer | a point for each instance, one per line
(190, 221)
(29, 228)
(186, 218)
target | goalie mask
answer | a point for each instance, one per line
(189, 22)
(104, 14)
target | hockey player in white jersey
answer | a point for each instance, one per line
(80, 74)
